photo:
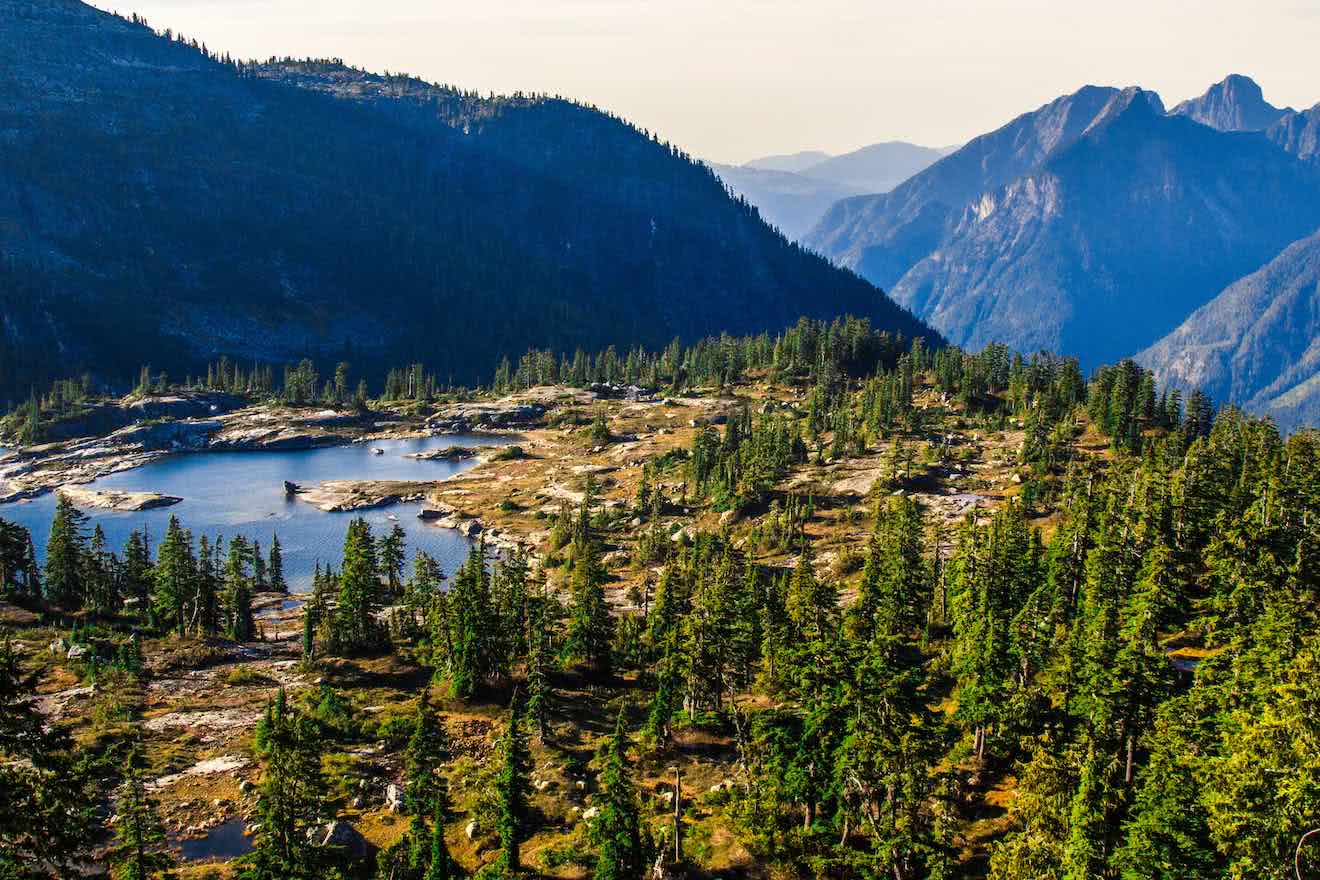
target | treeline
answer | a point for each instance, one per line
(848, 346)
(194, 587)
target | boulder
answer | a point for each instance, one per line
(343, 836)
(393, 798)
(471, 830)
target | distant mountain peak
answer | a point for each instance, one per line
(1236, 103)
(1132, 101)
(793, 163)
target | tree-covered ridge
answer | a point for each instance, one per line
(1110, 674)
(158, 197)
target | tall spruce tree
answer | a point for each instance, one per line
(621, 852)
(355, 626)
(65, 549)
(590, 626)
(291, 798)
(175, 578)
(140, 850)
(275, 567)
(512, 784)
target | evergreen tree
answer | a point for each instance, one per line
(175, 577)
(48, 807)
(356, 629)
(207, 610)
(617, 829)
(392, 557)
(511, 787)
(140, 849)
(275, 567)
(428, 749)
(65, 550)
(539, 692)
(291, 799)
(441, 865)
(238, 591)
(590, 627)
(465, 628)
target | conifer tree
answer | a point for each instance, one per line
(428, 749)
(206, 606)
(511, 787)
(140, 849)
(467, 632)
(175, 577)
(590, 627)
(259, 581)
(238, 592)
(539, 693)
(65, 548)
(48, 807)
(441, 865)
(275, 567)
(100, 576)
(392, 557)
(137, 575)
(355, 627)
(617, 829)
(291, 796)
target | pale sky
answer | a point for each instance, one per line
(731, 80)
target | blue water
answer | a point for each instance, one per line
(224, 841)
(229, 493)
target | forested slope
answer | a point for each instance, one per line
(160, 203)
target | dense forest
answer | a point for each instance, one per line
(158, 197)
(1127, 646)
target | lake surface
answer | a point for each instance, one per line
(233, 493)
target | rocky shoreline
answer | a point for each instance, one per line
(124, 502)
(340, 496)
(142, 430)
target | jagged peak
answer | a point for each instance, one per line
(1235, 103)
(1130, 101)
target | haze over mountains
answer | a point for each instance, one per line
(1099, 223)
(157, 202)
(793, 191)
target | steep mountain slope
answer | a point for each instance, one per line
(793, 192)
(1257, 344)
(160, 204)
(792, 203)
(1112, 241)
(883, 236)
(1235, 104)
(1298, 133)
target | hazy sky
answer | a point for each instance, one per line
(734, 79)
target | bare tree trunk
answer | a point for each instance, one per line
(678, 817)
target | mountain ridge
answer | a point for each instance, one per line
(1093, 225)
(288, 209)
(1256, 344)
(794, 191)
(1235, 103)
(1063, 258)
